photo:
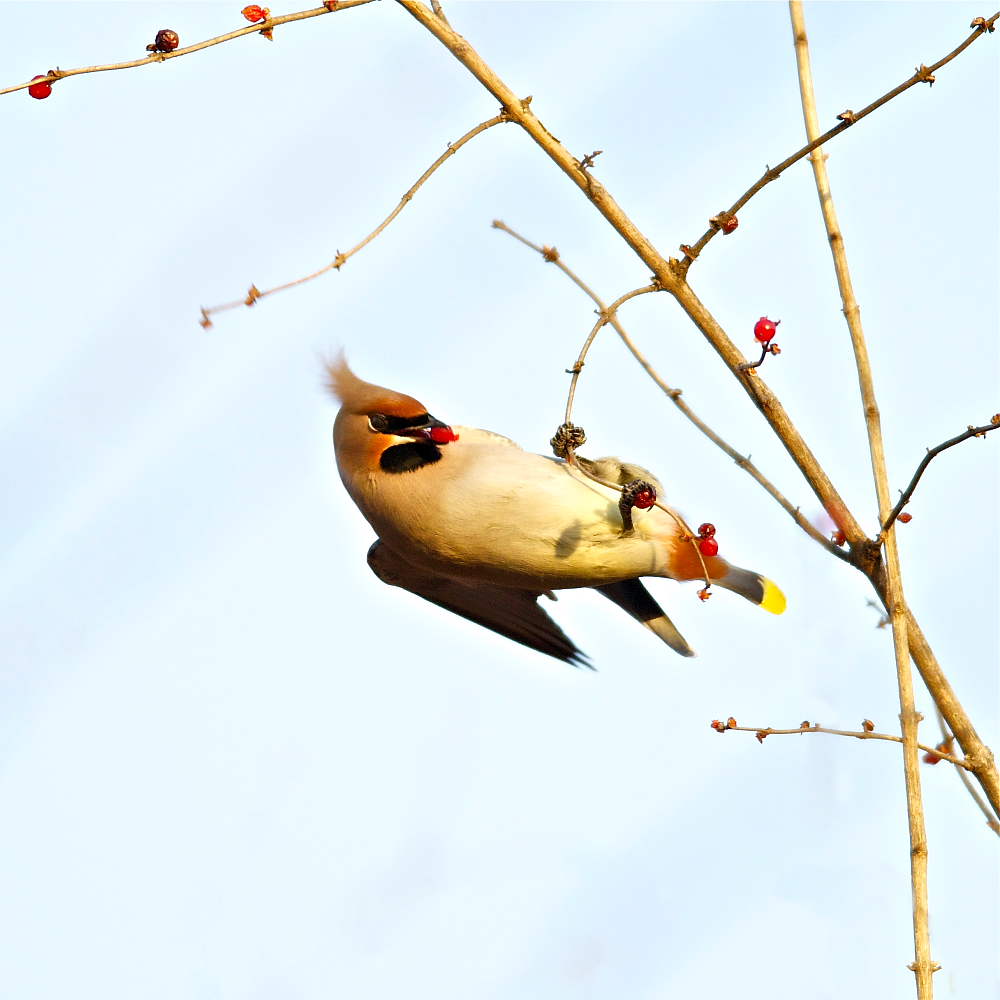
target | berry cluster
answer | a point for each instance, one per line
(707, 544)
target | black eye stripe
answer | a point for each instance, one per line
(385, 424)
(409, 457)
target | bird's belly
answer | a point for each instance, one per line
(537, 539)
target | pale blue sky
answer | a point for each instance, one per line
(235, 765)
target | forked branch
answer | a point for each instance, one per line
(922, 74)
(670, 276)
(932, 453)
(552, 256)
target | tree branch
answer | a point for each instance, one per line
(864, 553)
(947, 737)
(666, 272)
(553, 256)
(607, 315)
(762, 732)
(932, 453)
(338, 262)
(922, 74)
(923, 967)
(158, 57)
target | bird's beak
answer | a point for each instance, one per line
(432, 430)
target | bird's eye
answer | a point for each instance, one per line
(378, 422)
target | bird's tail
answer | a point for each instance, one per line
(754, 587)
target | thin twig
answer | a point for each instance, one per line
(553, 256)
(342, 258)
(158, 57)
(606, 314)
(768, 349)
(439, 10)
(923, 74)
(923, 967)
(864, 734)
(932, 453)
(947, 737)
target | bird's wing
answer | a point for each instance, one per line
(633, 597)
(515, 614)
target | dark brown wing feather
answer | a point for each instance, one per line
(633, 597)
(515, 614)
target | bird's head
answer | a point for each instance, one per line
(379, 428)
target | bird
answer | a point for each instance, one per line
(468, 520)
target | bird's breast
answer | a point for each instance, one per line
(494, 512)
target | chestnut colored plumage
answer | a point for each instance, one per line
(469, 521)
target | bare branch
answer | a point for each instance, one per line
(991, 820)
(932, 453)
(864, 554)
(922, 74)
(553, 256)
(667, 273)
(158, 57)
(923, 967)
(606, 314)
(342, 258)
(814, 727)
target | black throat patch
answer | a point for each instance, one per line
(409, 456)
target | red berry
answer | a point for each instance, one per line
(730, 225)
(905, 518)
(442, 435)
(253, 13)
(765, 329)
(838, 538)
(719, 727)
(40, 91)
(704, 594)
(706, 530)
(644, 499)
(166, 40)
(709, 547)
(931, 758)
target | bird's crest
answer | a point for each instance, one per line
(358, 396)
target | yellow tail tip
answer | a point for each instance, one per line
(774, 600)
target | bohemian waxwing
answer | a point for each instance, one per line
(469, 521)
